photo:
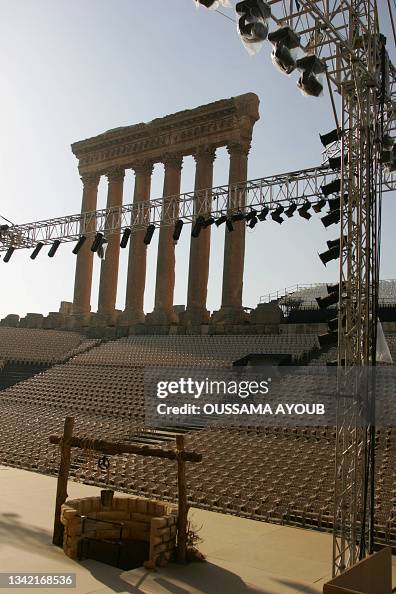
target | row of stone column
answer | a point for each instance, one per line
(234, 249)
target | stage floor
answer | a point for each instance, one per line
(243, 556)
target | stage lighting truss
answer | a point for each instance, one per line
(291, 188)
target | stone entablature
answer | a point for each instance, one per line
(216, 124)
(142, 519)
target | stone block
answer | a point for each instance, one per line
(157, 523)
(141, 506)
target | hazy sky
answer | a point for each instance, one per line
(71, 69)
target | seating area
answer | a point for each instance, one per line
(195, 351)
(26, 345)
(277, 474)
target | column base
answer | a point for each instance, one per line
(160, 317)
(79, 320)
(194, 316)
(230, 316)
(131, 318)
(105, 319)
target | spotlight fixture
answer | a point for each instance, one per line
(334, 203)
(101, 252)
(311, 67)
(220, 220)
(253, 21)
(332, 218)
(328, 339)
(177, 230)
(253, 222)
(229, 225)
(333, 288)
(333, 324)
(331, 137)
(238, 216)
(331, 188)
(125, 237)
(387, 142)
(319, 205)
(303, 210)
(285, 42)
(209, 222)
(251, 215)
(4, 228)
(54, 248)
(79, 244)
(335, 163)
(324, 302)
(331, 254)
(276, 214)
(263, 214)
(8, 254)
(335, 242)
(198, 225)
(207, 3)
(36, 251)
(149, 234)
(97, 242)
(290, 210)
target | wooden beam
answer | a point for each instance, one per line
(63, 476)
(182, 501)
(109, 447)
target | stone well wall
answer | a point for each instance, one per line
(142, 519)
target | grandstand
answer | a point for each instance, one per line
(276, 474)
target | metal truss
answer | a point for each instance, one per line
(294, 186)
(345, 35)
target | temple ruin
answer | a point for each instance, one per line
(198, 132)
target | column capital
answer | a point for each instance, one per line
(238, 148)
(205, 152)
(143, 166)
(115, 174)
(173, 160)
(90, 179)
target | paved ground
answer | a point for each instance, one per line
(243, 556)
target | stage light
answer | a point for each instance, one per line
(303, 210)
(285, 42)
(253, 222)
(177, 230)
(253, 21)
(125, 237)
(311, 68)
(319, 205)
(387, 142)
(229, 225)
(334, 203)
(9, 253)
(97, 242)
(328, 339)
(238, 216)
(333, 324)
(335, 163)
(251, 215)
(331, 254)
(209, 222)
(36, 251)
(149, 234)
(290, 210)
(220, 220)
(263, 214)
(276, 214)
(330, 137)
(332, 218)
(198, 225)
(79, 244)
(331, 188)
(324, 302)
(335, 242)
(101, 251)
(3, 228)
(54, 248)
(333, 288)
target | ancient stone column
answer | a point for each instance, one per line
(84, 263)
(198, 273)
(109, 267)
(136, 280)
(165, 279)
(234, 246)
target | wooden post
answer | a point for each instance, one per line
(63, 476)
(183, 505)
